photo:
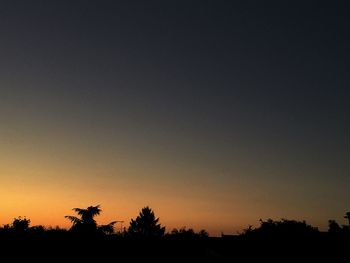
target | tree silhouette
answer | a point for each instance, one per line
(283, 227)
(184, 233)
(333, 226)
(86, 223)
(20, 224)
(107, 229)
(146, 225)
(203, 233)
(347, 216)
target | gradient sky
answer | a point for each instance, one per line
(215, 114)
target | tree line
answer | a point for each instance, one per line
(146, 225)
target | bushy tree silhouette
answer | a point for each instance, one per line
(184, 233)
(20, 224)
(203, 233)
(333, 227)
(283, 227)
(107, 229)
(146, 225)
(86, 223)
(347, 216)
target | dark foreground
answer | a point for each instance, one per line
(323, 246)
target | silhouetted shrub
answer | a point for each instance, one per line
(203, 233)
(282, 228)
(333, 227)
(347, 216)
(20, 225)
(184, 233)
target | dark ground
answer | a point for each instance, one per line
(324, 246)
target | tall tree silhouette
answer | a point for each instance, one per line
(86, 223)
(146, 225)
(347, 216)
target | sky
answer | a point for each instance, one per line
(213, 113)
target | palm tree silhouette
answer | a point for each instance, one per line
(86, 223)
(347, 216)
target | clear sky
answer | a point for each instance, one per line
(215, 114)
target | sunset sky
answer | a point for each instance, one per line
(213, 113)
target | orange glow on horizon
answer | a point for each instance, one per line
(45, 184)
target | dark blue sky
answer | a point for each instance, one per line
(213, 92)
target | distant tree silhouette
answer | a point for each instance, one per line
(333, 227)
(284, 227)
(6, 226)
(203, 233)
(184, 233)
(146, 225)
(347, 216)
(248, 230)
(107, 229)
(86, 223)
(20, 225)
